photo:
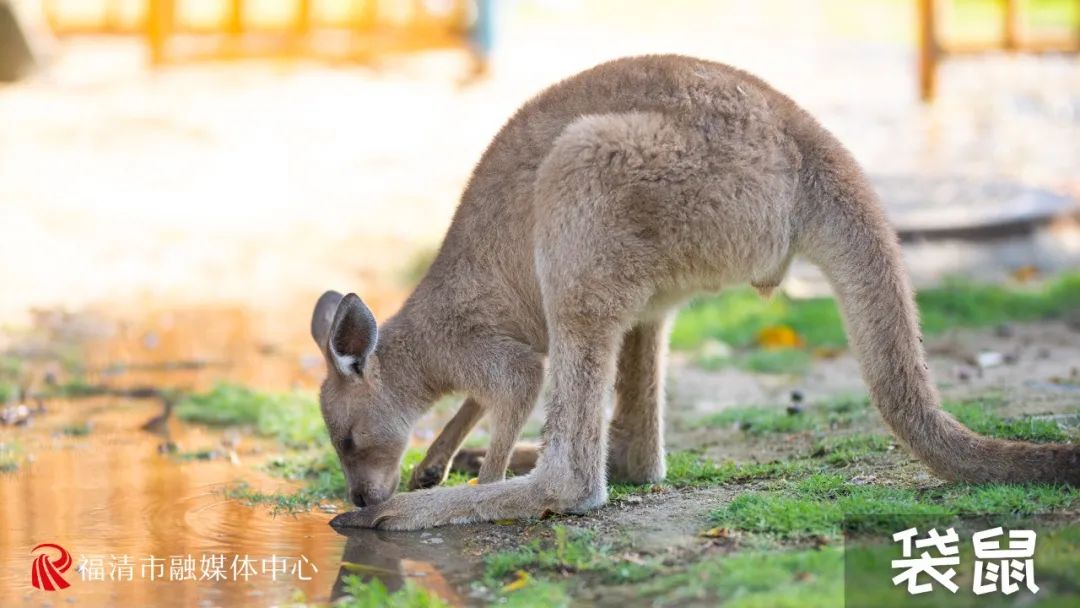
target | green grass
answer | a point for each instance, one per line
(755, 578)
(775, 361)
(193, 455)
(850, 449)
(320, 471)
(291, 418)
(76, 429)
(868, 563)
(8, 392)
(761, 361)
(818, 505)
(780, 579)
(974, 414)
(691, 470)
(570, 550)
(373, 594)
(10, 457)
(10, 373)
(760, 420)
(738, 315)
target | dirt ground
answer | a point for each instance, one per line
(666, 526)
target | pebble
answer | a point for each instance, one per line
(989, 358)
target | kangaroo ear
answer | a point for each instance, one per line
(323, 317)
(353, 336)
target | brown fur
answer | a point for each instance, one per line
(605, 202)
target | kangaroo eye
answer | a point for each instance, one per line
(347, 444)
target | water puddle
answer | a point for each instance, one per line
(90, 481)
(143, 513)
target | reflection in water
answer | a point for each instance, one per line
(111, 493)
(433, 559)
(111, 475)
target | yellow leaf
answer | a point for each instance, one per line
(716, 533)
(522, 579)
(1025, 274)
(779, 336)
(473, 481)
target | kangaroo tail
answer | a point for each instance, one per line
(847, 235)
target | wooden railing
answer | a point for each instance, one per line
(933, 49)
(356, 30)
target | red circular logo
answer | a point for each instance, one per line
(45, 574)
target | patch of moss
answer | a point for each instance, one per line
(795, 579)
(76, 429)
(976, 415)
(569, 550)
(737, 316)
(849, 449)
(10, 457)
(292, 418)
(374, 594)
(759, 420)
(692, 470)
(818, 504)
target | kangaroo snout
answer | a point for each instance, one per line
(368, 496)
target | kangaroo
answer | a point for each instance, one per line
(604, 203)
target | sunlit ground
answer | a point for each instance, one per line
(170, 228)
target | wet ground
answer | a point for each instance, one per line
(92, 480)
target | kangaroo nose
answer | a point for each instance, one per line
(358, 498)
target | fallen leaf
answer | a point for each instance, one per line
(520, 581)
(779, 336)
(473, 481)
(716, 533)
(1026, 273)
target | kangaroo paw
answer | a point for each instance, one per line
(427, 476)
(634, 463)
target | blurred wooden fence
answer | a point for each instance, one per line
(933, 48)
(356, 30)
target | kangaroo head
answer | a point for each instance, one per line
(363, 403)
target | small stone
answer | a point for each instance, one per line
(435, 540)
(633, 500)
(714, 349)
(796, 396)
(989, 358)
(1004, 331)
(794, 409)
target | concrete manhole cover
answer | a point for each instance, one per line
(960, 207)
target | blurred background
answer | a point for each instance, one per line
(181, 179)
(254, 153)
